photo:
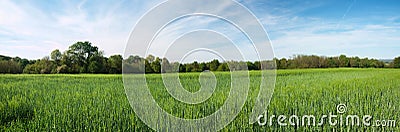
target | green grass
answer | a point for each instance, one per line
(99, 103)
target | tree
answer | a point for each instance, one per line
(2, 57)
(344, 61)
(203, 66)
(323, 62)
(56, 55)
(156, 65)
(251, 66)
(282, 64)
(24, 62)
(333, 62)
(182, 68)
(213, 65)
(66, 60)
(166, 67)
(364, 63)
(115, 64)
(134, 64)
(188, 67)
(80, 53)
(43, 66)
(196, 67)
(10, 66)
(97, 63)
(223, 67)
(396, 62)
(258, 65)
(148, 68)
(150, 58)
(354, 62)
(134, 59)
(62, 69)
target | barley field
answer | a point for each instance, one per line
(98, 102)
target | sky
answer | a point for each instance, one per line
(364, 28)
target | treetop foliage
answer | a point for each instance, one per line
(83, 57)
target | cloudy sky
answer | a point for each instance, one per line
(365, 28)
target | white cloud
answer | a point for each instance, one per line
(307, 41)
(30, 31)
(106, 25)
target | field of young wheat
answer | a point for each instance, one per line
(99, 102)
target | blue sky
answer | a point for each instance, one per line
(365, 28)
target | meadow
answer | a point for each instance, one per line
(91, 102)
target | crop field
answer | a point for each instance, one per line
(98, 102)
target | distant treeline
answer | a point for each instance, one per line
(83, 57)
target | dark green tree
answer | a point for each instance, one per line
(203, 66)
(10, 66)
(56, 56)
(396, 62)
(258, 65)
(213, 65)
(223, 67)
(156, 65)
(343, 61)
(97, 63)
(80, 53)
(166, 67)
(251, 66)
(115, 64)
(148, 67)
(150, 58)
(354, 62)
(283, 64)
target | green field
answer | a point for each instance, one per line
(99, 103)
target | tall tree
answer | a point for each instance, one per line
(56, 56)
(396, 62)
(80, 53)
(156, 65)
(66, 64)
(283, 64)
(97, 63)
(354, 62)
(251, 66)
(10, 66)
(150, 58)
(213, 65)
(203, 66)
(258, 65)
(115, 64)
(166, 67)
(148, 68)
(344, 61)
(196, 67)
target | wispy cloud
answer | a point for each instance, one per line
(26, 28)
(301, 31)
(32, 29)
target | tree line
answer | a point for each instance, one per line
(83, 57)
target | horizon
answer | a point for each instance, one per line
(209, 60)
